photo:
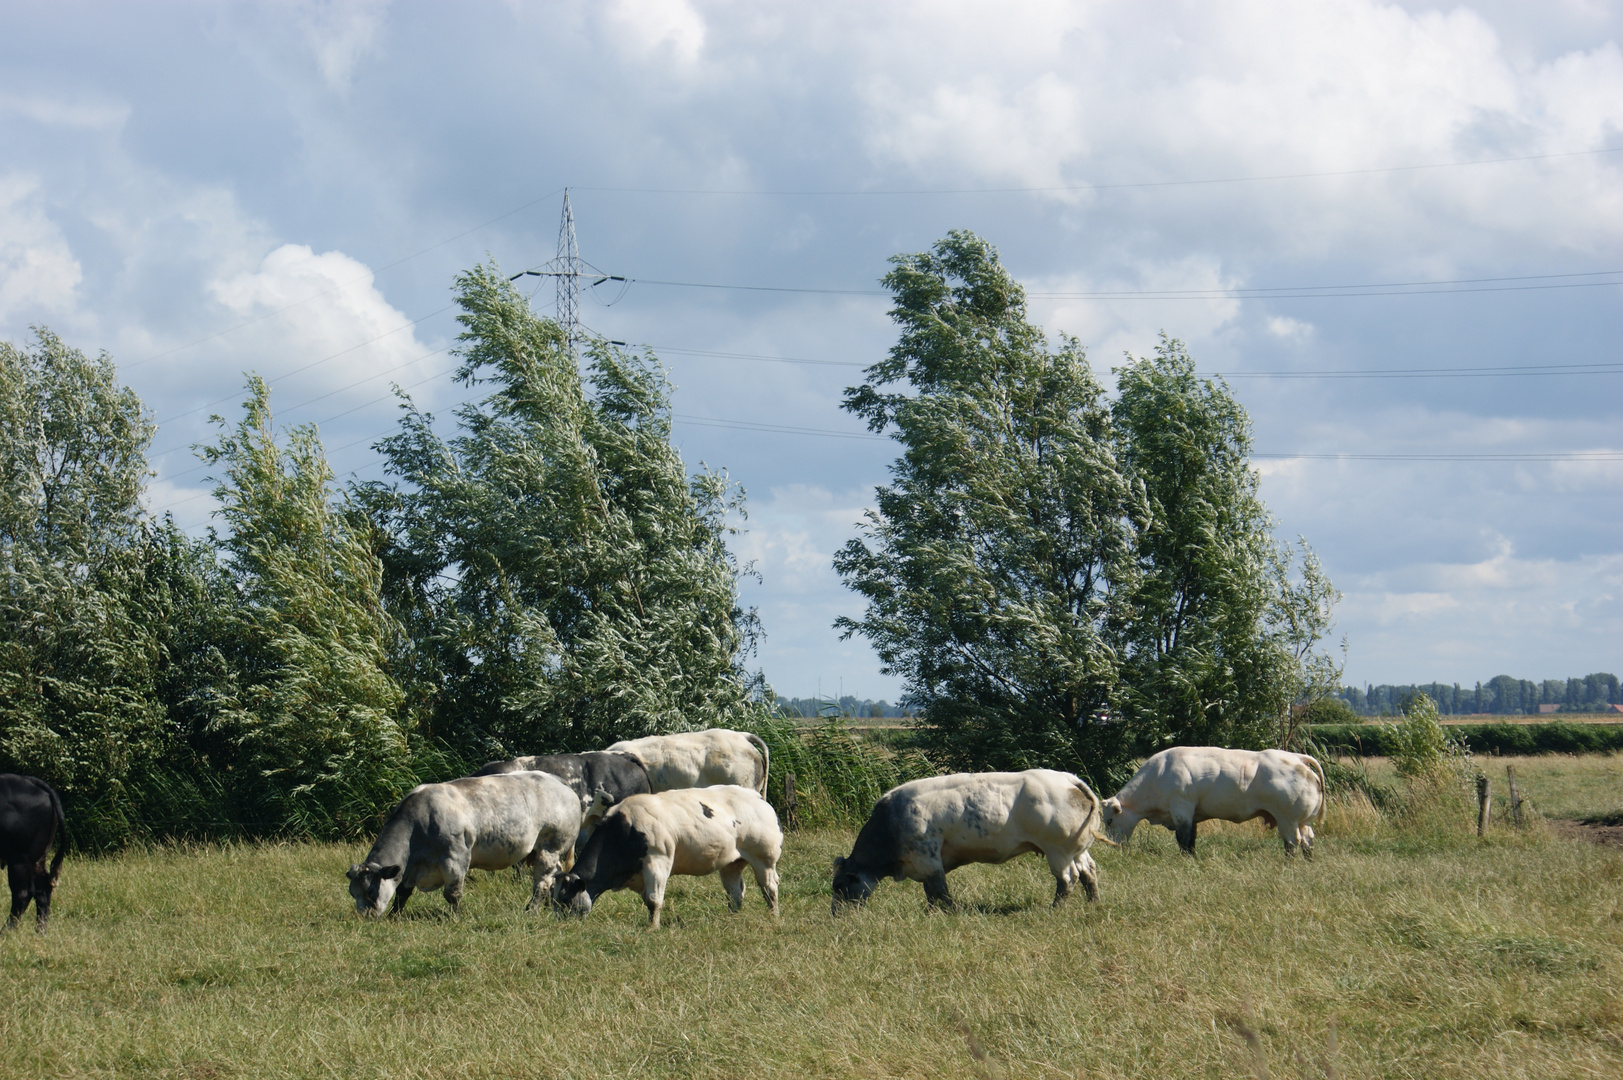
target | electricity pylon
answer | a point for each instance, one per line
(568, 268)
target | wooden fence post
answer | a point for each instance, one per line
(1483, 802)
(789, 801)
(1515, 797)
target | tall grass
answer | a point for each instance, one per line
(838, 775)
(1448, 958)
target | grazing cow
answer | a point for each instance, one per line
(30, 819)
(693, 759)
(440, 831)
(1185, 785)
(617, 775)
(925, 829)
(642, 841)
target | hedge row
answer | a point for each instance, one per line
(1376, 739)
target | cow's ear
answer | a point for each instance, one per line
(839, 863)
(388, 872)
(354, 872)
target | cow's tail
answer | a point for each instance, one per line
(1324, 788)
(61, 835)
(1093, 823)
(766, 759)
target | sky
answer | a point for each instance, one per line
(1396, 230)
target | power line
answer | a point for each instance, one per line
(1110, 187)
(1609, 367)
(1271, 292)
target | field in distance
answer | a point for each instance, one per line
(1405, 949)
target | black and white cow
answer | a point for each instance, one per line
(30, 819)
(1185, 785)
(692, 759)
(923, 830)
(439, 832)
(642, 841)
(617, 775)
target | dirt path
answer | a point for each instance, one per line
(1610, 835)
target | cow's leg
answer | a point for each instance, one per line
(1290, 833)
(732, 879)
(1183, 825)
(401, 895)
(1306, 834)
(454, 882)
(654, 875)
(21, 879)
(42, 901)
(935, 890)
(543, 872)
(1068, 872)
(766, 876)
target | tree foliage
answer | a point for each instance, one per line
(993, 562)
(78, 649)
(309, 724)
(1222, 632)
(1061, 580)
(565, 582)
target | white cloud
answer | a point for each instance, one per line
(323, 310)
(38, 271)
(653, 27)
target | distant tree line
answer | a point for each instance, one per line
(1502, 695)
(845, 706)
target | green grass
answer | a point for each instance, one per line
(1431, 953)
(1558, 786)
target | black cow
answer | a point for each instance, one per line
(617, 774)
(30, 818)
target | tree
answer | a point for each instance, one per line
(995, 560)
(1060, 581)
(1219, 642)
(310, 724)
(77, 648)
(565, 582)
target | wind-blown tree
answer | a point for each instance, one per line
(78, 649)
(1210, 659)
(994, 562)
(1061, 581)
(308, 723)
(563, 579)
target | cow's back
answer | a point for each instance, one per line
(28, 818)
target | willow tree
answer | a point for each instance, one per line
(564, 579)
(994, 560)
(78, 649)
(307, 717)
(1062, 580)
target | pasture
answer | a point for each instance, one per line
(1407, 948)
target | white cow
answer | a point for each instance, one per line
(440, 831)
(925, 829)
(644, 839)
(1185, 785)
(700, 759)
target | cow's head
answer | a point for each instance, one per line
(571, 894)
(373, 886)
(850, 886)
(1115, 825)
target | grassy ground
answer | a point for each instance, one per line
(1556, 785)
(1406, 949)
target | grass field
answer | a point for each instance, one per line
(1405, 949)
